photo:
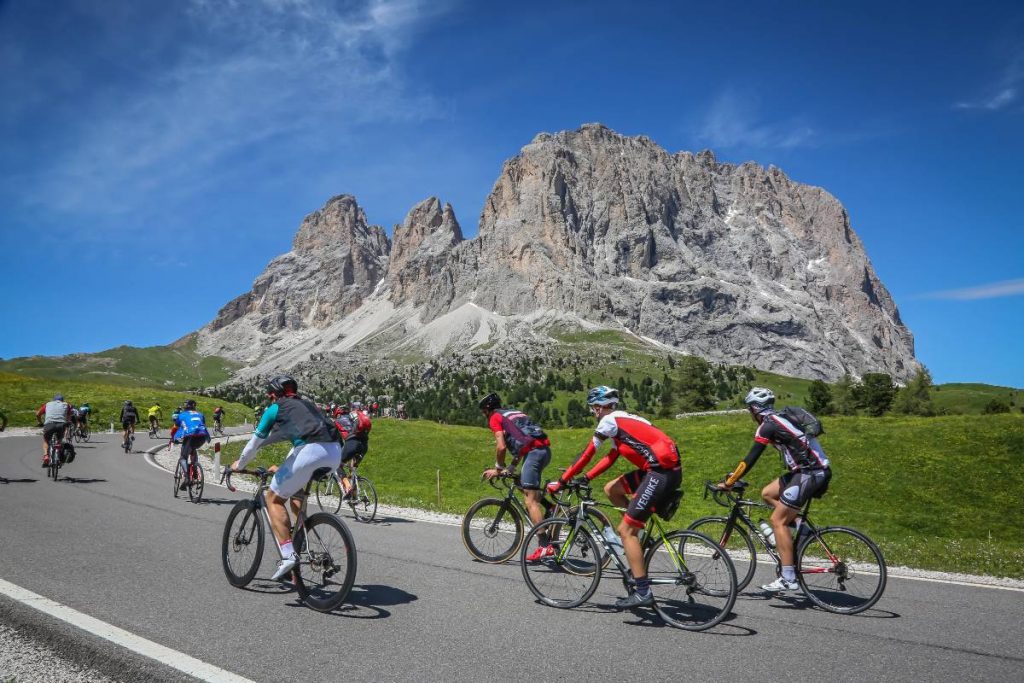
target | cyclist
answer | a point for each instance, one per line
(808, 476)
(83, 415)
(218, 417)
(354, 428)
(315, 445)
(3, 421)
(191, 429)
(54, 417)
(155, 413)
(129, 416)
(651, 486)
(514, 431)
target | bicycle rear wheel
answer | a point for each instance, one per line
(841, 570)
(195, 483)
(693, 581)
(737, 543)
(178, 475)
(364, 500)
(327, 561)
(328, 494)
(569, 577)
(492, 530)
(242, 544)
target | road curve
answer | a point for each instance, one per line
(110, 541)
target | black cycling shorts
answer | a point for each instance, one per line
(354, 448)
(130, 422)
(192, 441)
(534, 463)
(796, 488)
(52, 428)
(652, 492)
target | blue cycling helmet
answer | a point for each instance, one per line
(603, 396)
(58, 397)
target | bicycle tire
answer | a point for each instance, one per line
(570, 577)
(835, 559)
(195, 484)
(86, 434)
(699, 593)
(326, 550)
(178, 475)
(483, 534)
(364, 506)
(240, 557)
(328, 494)
(601, 520)
(738, 544)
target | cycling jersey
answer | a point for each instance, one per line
(155, 411)
(191, 423)
(129, 414)
(799, 452)
(354, 425)
(522, 434)
(293, 419)
(56, 412)
(637, 439)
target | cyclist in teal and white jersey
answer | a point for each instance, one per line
(315, 445)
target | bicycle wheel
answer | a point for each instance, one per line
(327, 561)
(242, 545)
(328, 494)
(178, 475)
(736, 542)
(492, 530)
(601, 520)
(86, 434)
(195, 483)
(693, 581)
(569, 577)
(841, 570)
(364, 500)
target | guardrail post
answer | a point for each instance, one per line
(111, 428)
(216, 458)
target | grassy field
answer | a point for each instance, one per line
(169, 367)
(935, 493)
(20, 398)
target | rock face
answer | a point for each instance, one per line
(737, 264)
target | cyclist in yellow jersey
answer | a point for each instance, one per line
(155, 415)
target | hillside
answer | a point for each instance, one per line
(175, 366)
(916, 485)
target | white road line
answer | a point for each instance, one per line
(147, 648)
(893, 572)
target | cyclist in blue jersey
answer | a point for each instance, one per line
(191, 429)
(315, 445)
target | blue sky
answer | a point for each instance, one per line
(156, 155)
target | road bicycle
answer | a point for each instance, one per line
(130, 441)
(192, 474)
(56, 457)
(327, 552)
(692, 581)
(154, 429)
(493, 528)
(81, 432)
(361, 498)
(838, 568)
(218, 429)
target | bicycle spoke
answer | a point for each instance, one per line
(694, 583)
(492, 530)
(841, 570)
(570, 577)
(327, 561)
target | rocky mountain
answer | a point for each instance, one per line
(585, 229)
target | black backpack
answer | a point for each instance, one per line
(802, 418)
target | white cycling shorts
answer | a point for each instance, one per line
(297, 469)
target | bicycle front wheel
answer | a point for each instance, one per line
(364, 500)
(570, 576)
(492, 530)
(195, 483)
(327, 561)
(693, 581)
(734, 540)
(601, 521)
(328, 494)
(179, 474)
(841, 570)
(242, 545)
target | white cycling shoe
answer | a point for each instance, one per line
(285, 566)
(780, 585)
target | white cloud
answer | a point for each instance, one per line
(1004, 92)
(293, 73)
(732, 121)
(989, 291)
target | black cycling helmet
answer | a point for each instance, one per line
(127, 403)
(490, 402)
(190, 404)
(279, 385)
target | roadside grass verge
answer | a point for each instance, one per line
(20, 398)
(937, 493)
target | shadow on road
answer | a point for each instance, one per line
(76, 480)
(647, 617)
(369, 601)
(218, 501)
(5, 480)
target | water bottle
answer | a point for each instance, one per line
(613, 540)
(768, 532)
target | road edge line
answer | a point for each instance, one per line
(137, 644)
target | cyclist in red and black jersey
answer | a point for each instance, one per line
(354, 428)
(651, 486)
(514, 431)
(808, 475)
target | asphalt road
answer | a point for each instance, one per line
(109, 540)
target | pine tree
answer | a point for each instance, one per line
(844, 400)
(819, 398)
(875, 393)
(696, 389)
(916, 397)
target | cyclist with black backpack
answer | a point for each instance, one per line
(514, 431)
(790, 432)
